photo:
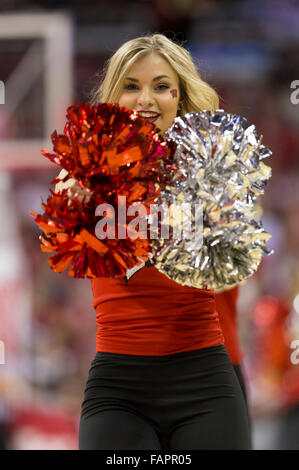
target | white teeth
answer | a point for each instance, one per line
(148, 115)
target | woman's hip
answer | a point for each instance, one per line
(187, 375)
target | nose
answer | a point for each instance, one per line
(145, 99)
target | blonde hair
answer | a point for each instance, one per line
(195, 93)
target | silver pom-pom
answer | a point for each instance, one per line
(214, 195)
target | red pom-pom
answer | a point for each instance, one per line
(107, 140)
(113, 152)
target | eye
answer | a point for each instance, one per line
(130, 86)
(162, 86)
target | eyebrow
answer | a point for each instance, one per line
(154, 79)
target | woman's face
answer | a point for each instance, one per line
(151, 87)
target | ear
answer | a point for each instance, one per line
(180, 108)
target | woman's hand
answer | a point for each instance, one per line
(83, 195)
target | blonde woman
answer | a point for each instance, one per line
(161, 377)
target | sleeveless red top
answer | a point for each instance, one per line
(153, 315)
(226, 305)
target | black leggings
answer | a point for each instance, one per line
(239, 373)
(238, 370)
(188, 400)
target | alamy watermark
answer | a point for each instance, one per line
(2, 92)
(177, 221)
(2, 353)
(295, 354)
(294, 326)
(294, 97)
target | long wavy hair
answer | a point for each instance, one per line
(195, 93)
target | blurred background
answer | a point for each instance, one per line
(50, 54)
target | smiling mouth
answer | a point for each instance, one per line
(150, 117)
(153, 119)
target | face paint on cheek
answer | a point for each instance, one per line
(174, 93)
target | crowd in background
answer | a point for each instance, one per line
(251, 58)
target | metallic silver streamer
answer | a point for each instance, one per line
(219, 160)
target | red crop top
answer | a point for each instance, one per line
(153, 315)
(226, 305)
